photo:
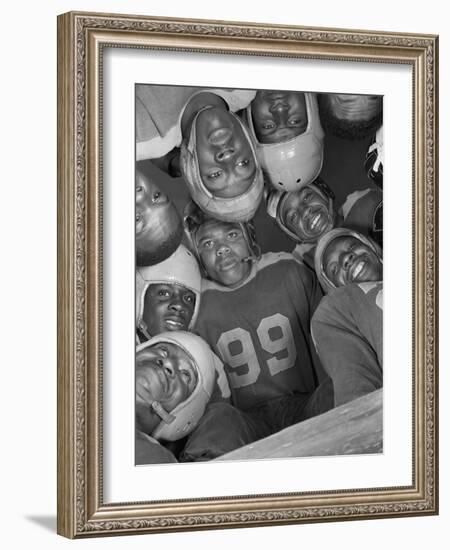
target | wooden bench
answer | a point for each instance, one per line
(352, 428)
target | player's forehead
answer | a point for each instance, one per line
(306, 192)
(166, 349)
(309, 191)
(339, 244)
(267, 96)
(183, 358)
(215, 228)
(175, 288)
(292, 201)
(205, 121)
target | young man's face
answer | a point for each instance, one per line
(164, 373)
(348, 260)
(224, 252)
(225, 157)
(158, 225)
(279, 116)
(168, 307)
(307, 213)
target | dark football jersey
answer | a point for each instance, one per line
(348, 333)
(261, 330)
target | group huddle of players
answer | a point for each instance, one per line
(259, 289)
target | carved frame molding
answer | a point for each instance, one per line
(81, 38)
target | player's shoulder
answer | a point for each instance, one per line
(369, 287)
(273, 264)
(373, 293)
(284, 260)
(368, 294)
(285, 266)
(208, 284)
(356, 290)
(353, 296)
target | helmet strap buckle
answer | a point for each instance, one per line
(166, 417)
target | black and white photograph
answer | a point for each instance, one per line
(223, 233)
(259, 274)
(247, 274)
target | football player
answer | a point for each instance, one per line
(347, 329)
(289, 137)
(167, 295)
(309, 213)
(344, 256)
(304, 215)
(351, 116)
(158, 225)
(217, 158)
(255, 314)
(174, 380)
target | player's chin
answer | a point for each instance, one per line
(232, 275)
(175, 324)
(374, 273)
(232, 190)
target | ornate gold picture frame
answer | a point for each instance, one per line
(83, 39)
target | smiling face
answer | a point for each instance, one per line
(307, 213)
(225, 157)
(348, 260)
(164, 373)
(278, 115)
(168, 307)
(224, 251)
(158, 225)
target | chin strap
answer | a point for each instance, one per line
(142, 327)
(156, 406)
(166, 417)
